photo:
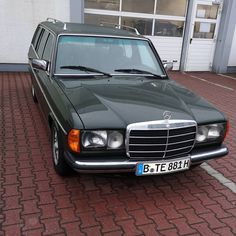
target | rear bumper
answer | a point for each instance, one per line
(114, 165)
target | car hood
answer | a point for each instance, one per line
(115, 102)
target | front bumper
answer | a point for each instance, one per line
(114, 165)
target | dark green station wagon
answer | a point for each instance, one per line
(111, 107)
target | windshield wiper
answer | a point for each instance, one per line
(87, 69)
(138, 71)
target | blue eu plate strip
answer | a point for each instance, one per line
(139, 169)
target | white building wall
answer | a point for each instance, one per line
(18, 20)
(232, 56)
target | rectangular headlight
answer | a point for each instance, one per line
(94, 139)
(210, 133)
(108, 139)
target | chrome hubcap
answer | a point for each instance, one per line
(55, 147)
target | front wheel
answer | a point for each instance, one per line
(60, 165)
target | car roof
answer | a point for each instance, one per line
(77, 28)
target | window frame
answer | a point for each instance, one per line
(39, 40)
(44, 28)
(36, 36)
(43, 41)
(111, 36)
(50, 57)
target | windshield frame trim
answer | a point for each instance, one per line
(102, 36)
(107, 36)
(112, 74)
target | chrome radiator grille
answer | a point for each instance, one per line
(160, 139)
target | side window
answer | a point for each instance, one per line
(41, 45)
(36, 36)
(48, 48)
(39, 39)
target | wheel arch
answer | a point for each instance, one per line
(50, 120)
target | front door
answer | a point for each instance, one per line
(203, 34)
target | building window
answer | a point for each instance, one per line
(169, 28)
(204, 30)
(141, 6)
(207, 12)
(150, 17)
(99, 19)
(170, 7)
(103, 4)
(144, 26)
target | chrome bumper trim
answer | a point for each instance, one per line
(129, 165)
(204, 156)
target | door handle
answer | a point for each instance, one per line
(191, 40)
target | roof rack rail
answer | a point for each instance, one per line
(53, 20)
(118, 26)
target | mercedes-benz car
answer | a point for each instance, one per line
(111, 106)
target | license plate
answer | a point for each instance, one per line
(163, 167)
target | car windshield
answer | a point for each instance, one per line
(105, 54)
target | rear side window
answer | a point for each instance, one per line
(36, 36)
(39, 40)
(41, 43)
(48, 48)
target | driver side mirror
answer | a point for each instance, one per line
(40, 64)
(168, 65)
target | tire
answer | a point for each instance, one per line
(33, 94)
(59, 163)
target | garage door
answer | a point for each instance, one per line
(160, 20)
(169, 49)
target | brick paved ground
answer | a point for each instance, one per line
(35, 201)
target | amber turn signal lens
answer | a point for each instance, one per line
(74, 140)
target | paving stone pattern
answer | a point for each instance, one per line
(35, 201)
